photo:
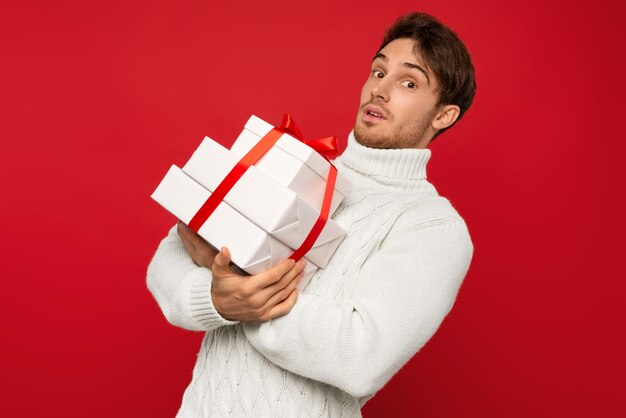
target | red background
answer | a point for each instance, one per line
(99, 98)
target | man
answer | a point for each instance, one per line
(270, 352)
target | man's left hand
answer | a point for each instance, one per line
(200, 251)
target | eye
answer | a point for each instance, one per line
(409, 84)
(377, 73)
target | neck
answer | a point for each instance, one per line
(399, 169)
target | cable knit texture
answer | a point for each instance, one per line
(381, 297)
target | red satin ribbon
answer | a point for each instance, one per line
(325, 146)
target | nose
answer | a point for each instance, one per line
(381, 90)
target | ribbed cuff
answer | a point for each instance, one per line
(201, 304)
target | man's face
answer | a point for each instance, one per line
(398, 100)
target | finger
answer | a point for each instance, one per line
(183, 236)
(284, 307)
(182, 229)
(183, 233)
(222, 259)
(286, 279)
(191, 235)
(282, 294)
(274, 274)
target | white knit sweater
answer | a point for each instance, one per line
(382, 296)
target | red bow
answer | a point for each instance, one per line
(326, 146)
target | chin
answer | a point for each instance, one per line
(367, 136)
(376, 136)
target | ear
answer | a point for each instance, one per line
(446, 116)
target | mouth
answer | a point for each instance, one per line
(373, 114)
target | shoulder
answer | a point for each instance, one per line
(430, 237)
(434, 216)
(429, 211)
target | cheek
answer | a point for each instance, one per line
(414, 108)
(364, 94)
(365, 91)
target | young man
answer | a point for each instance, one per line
(270, 352)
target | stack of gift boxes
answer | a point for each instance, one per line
(270, 210)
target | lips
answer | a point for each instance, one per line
(374, 112)
(373, 115)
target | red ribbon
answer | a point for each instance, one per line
(327, 147)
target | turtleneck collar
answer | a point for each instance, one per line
(402, 170)
(401, 164)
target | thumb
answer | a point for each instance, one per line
(222, 259)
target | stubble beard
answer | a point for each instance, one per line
(408, 136)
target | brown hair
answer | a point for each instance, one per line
(444, 53)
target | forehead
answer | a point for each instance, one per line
(403, 48)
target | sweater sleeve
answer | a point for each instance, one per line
(181, 288)
(403, 292)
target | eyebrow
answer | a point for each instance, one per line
(384, 58)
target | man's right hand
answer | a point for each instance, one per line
(259, 297)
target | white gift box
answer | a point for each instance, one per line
(251, 248)
(273, 207)
(292, 163)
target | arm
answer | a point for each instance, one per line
(197, 290)
(402, 295)
(181, 288)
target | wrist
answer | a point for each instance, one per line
(216, 304)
